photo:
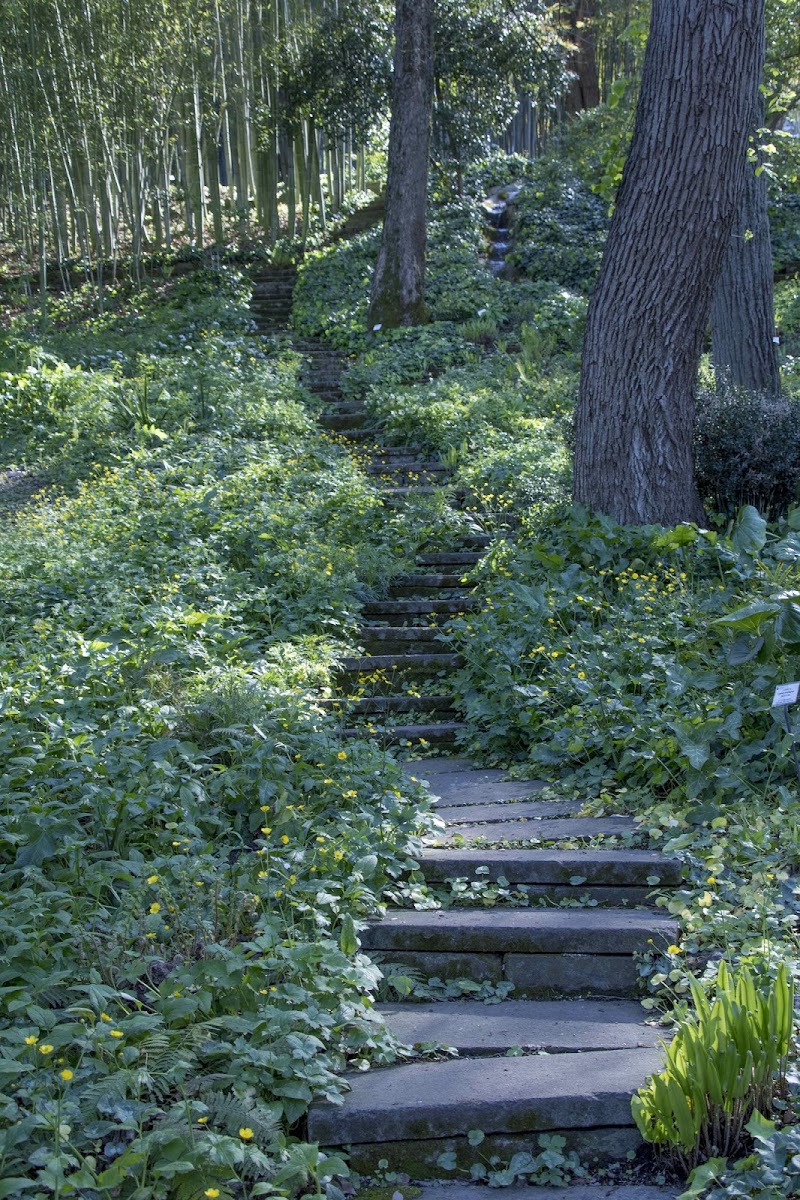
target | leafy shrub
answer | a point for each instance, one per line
(559, 229)
(724, 1062)
(747, 450)
(770, 1172)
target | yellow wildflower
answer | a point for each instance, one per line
(155, 909)
(46, 1048)
(151, 879)
(66, 1074)
(246, 1133)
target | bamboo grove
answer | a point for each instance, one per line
(138, 127)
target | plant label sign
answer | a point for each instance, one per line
(785, 693)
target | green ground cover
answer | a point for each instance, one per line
(188, 845)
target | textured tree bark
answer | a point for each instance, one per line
(678, 199)
(743, 312)
(584, 88)
(398, 289)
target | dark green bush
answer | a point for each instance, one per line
(747, 450)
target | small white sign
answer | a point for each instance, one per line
(785, 693)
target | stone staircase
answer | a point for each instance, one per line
(566, 1053)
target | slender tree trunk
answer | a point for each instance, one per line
(584, 88)
(680, 194)
(398, 290)
(743, 313)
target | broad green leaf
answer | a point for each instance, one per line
(749, 531)
(750, 617)
(348, 940)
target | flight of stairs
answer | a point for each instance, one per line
(565, 1054)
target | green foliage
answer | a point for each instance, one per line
(747, 450)
(559, 229)
(552, 1166)
(724, 1062)
(188, 847)
(770, 1172)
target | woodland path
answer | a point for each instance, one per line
(567, 1052)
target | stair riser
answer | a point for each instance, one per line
(388, 737)
(419, 1158)
(535, 976)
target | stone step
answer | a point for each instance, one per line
(418, 664)
(508, 810)
(520, 932)
(412, 1113)
(404, 585)
(468, 788)
(540, 828)
(464, 558)
(553, 1026)
(401, 492)
(375, 705)
(414, 466)
(397, 633)
(595, 868)
(417, 608)
(441, 733)
(574, 1191)
(342, 422)
(270, 289)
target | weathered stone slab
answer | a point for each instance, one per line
(497, 1095)
(467, 788)
(520, 930)
(426, 767)
(576, 1191)
(508, 810)
(543, 829)
(607, 868)
(571, 974)
(557, 1026)
(480, 968)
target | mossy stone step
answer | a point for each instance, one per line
(544, 829)
(417, 664)
(378, 705)
(520, 931)
(506, 810)
(411, 1114)
(438, 734)
(594, 868)
(420, 608)
(552, 1026)
(403, 584)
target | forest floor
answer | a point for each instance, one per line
(195, 838)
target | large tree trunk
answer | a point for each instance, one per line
(584, 88)
(679, 196)
(743, 312)
(398, 289)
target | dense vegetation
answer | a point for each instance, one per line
(188, 842)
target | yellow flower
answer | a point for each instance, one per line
(266, 830)
(711, 879)
(673, 950)
(212, 1193)
(30, 1040)
(284, 839)
(246, 1133)
(342, 755)
(66, 1074)
(152, 879)
(105, 1017)
(202, 1120)
(292, 879)
(321, 840)
(116, 1033)
(581, 674)
(46, 1048)
(338, 855)
(155, 908)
